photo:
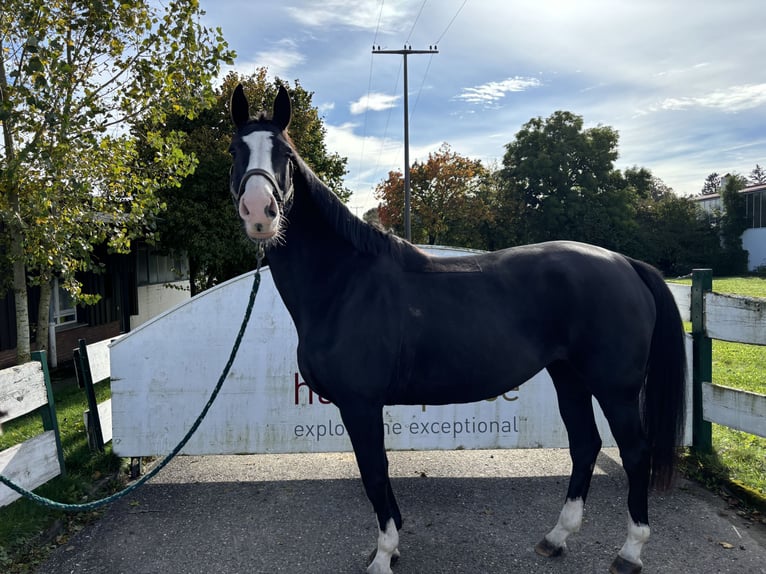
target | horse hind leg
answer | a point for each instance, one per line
(625, 423)
(365, 428)
(576, 408)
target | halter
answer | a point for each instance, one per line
(284, 197)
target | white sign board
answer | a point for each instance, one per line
(164, 371)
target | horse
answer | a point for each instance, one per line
(437, 330)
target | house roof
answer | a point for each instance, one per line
(745, 190)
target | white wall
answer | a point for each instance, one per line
(754, 241)
(156, 299)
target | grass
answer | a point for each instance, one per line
(738, 458)
(28, 531)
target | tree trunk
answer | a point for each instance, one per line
(23, 351)
(43, 319)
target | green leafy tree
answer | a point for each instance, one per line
(372, 216)
(733, 225)
(559, 182)
(757, 176)
(73, 75)
(711, 185)
(674, 235)
(646, 185)
(201, 219)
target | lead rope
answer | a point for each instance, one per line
(84, 507)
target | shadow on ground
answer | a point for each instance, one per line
(452, 524)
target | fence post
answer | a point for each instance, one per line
(702, 360)
(48, 412)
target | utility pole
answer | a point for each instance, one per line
(405, 52)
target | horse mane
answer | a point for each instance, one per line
(364, 237)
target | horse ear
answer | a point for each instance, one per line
(282, 109)
(240, 109)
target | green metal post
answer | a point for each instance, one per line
(702, 361)
(48, 412)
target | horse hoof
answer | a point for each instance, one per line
(545, 548)
(622, 566)
(394, 558)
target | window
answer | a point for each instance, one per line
(754, 210)
(62, 306)
(155, 268)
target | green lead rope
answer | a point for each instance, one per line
(104, 501)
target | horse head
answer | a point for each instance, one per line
(262, 162)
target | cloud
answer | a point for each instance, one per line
(375, 102)
(734, 99)
(492, 91)
(370, 158)
(280, 59)
(326, 107)
(350, 14)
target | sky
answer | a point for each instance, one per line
(681, 81)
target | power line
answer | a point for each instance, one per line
(423, 5)
(377, 27)
(420, 89)
(369, 90)
(439, 39)
(388, 122)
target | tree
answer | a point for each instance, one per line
(372, 216)
(712, 184)
(646, 185)
(201, 219)
(674, 236)
(733, 225)
(449, 199)
(757, 176)
(73, 74)
(560, 183)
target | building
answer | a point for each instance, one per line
(754, 237)
(133, 288)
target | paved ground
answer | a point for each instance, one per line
(477, 512)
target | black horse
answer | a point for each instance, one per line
(427, 330)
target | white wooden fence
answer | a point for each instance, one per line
(93, 366)
(33, 462)
(726, 318)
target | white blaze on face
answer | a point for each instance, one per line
(258, 207)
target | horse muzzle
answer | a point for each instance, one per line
(258, 207)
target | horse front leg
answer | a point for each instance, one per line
(364, 424)
(576, 410)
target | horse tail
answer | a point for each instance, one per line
(664, 395)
